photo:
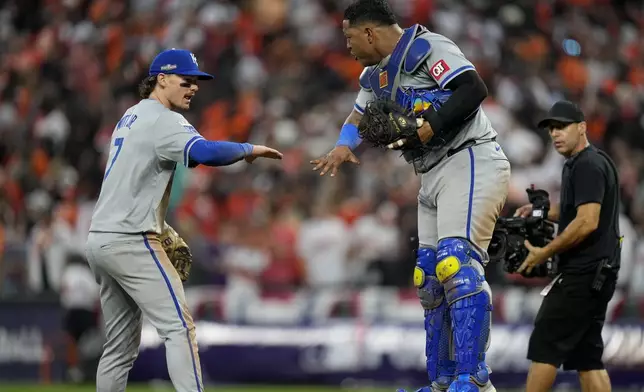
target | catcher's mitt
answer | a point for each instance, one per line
(385, 122)
(178, 252)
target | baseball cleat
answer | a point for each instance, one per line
(467, 383)
(435, 387)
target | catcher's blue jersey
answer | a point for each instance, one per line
(415, 76)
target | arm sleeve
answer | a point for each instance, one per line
(588, 182)
(469, 91)
(174, 138)
(217, 153)
(446, 61)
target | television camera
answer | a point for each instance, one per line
(508, 240)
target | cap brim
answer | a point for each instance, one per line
(543, 123)
(200, 75)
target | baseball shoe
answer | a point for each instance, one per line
(423, 389)
(437, 386)
(467, 383)
(488, 387)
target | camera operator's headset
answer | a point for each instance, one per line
(613, 263)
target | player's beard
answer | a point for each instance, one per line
(181, 103)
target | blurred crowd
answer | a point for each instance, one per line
(70, 68)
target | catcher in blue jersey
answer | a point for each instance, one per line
(420, 95)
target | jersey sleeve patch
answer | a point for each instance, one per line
(439, 69)
(190, 128)
(187, 126)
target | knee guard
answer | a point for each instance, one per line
(440, 369)
(460, 271)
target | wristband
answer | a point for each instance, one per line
(349, 136)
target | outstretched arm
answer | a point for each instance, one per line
(218, 153)
(349, 138)
(176, 140)
(342, 152)
(349, 133)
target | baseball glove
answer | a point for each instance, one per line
(385, 124)
(177, 250)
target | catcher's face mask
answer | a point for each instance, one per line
(361, 43)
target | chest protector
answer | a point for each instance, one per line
(408, 56)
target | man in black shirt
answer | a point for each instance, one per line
(569, 323)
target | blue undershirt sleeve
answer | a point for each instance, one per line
(218, 153)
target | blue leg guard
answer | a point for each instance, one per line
(468, 295)
(440, 369)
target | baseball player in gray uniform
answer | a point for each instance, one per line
(464, 181)
(135, 275)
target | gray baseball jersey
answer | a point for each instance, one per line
(146, 145)
(443, 62)
(462, 192)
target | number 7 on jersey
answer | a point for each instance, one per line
(118, 143)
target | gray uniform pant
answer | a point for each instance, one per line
(136, 278)
(463, 196)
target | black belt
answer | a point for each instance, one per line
(468, 144)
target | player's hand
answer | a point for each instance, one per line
(425, 133)
(263, 152)
(524, 211)
(334, 159)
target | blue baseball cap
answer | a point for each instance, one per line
(177, 62)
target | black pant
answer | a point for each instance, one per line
(79, 321)
(567, 329)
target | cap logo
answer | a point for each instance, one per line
(194, 59)
(168, 67)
